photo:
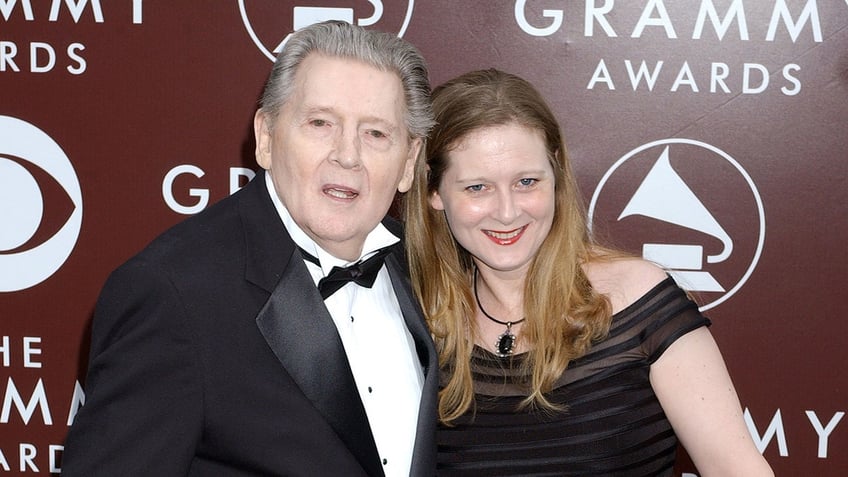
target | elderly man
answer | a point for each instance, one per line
(276, 333)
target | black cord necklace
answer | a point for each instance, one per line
(506, 341)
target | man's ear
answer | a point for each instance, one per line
(408, 175)
(262, 135)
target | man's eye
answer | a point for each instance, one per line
(474, 188)
(318, 122)
(376, 134)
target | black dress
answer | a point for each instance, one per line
(613, 424)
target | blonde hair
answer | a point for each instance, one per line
(563, 312)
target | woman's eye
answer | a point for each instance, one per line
(475, 188)
(527, 182)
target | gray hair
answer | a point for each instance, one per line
(382, 50)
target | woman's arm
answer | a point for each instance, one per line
(691, 382)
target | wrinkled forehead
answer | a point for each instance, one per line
(332, 82)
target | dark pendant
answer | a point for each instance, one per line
(505, 344)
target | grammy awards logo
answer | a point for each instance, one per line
(270, 23)
(687, 206)
(32, 167)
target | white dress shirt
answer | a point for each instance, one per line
(379, 347)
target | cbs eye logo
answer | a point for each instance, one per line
(269, 22)
(33, 245)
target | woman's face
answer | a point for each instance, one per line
(498, 195)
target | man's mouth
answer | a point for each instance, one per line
(341, 193)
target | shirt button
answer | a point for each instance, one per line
(370, 390)
(351, 319)
(385, 461)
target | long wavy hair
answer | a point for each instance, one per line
(564, 315)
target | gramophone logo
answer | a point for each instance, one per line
(32, 168)
(269, 23)
(688, 206)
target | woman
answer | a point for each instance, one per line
(558, 357)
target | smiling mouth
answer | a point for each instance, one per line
(505, 238)
(337, 193)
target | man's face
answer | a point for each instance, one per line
(339, 150)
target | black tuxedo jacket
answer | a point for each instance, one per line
(213, 354)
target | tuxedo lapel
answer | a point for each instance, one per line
(424, 452)
(411, 311)
(267, 245)
(299, 329)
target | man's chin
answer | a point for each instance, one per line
(345, 244)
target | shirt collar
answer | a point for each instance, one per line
(378, 238)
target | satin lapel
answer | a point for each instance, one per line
(297, 326)
(267, 245)
(424, 453)
(300, 331)
(411, 311)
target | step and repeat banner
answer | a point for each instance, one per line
(710, 136)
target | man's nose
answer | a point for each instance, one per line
(346, 149)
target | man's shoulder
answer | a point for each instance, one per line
(211, 235)
(207, 229)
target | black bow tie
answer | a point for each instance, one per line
(363, 272)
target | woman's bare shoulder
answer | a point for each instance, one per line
(623, 279)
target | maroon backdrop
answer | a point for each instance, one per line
(710, 135)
